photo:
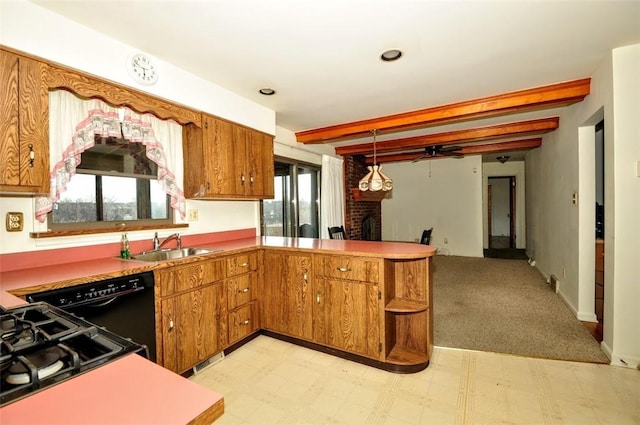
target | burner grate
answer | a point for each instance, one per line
(42, 346)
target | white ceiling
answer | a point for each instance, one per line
(322, 56)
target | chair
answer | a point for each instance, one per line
(337, 232)
(307, 231)
(426, 236)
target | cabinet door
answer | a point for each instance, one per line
(24, 128)
(194, 327)
(259, 153)
(286, 295)
(346, 316)
(219, 156)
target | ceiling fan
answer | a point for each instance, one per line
(439, 150)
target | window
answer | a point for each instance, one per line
(294, 209)
(115, 182)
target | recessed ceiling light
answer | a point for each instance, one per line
(391, 55)
(267, 91)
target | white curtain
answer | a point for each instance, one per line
(332, 194)
(74, 122)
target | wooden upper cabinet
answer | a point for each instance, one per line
(226, 161)
(24, 127)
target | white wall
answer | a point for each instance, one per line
(561, 235)
(286, 146)
(510, 168)
(622, 238)
(32, 29)
(445, 194)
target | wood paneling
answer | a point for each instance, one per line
(554, 95)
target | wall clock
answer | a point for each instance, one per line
(142, 69)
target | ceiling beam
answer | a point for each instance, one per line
(554, 95)
(511, 146)
(515, 129)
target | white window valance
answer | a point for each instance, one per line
(73, 125)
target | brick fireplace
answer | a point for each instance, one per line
(356, 212)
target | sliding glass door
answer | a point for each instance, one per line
(294, 210)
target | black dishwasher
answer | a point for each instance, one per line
(123, 305)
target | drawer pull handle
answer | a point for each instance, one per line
(171, 324)
(243, 291)
(344, 269)
(243, 265)
(242, 179)
(32, 156)
(246, 322)
(318, 298)
(305, 277)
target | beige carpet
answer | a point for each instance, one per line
(505, 306)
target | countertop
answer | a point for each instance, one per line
(130, 390)
(38, 279)
(150, 393)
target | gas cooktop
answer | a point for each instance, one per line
(42, 345)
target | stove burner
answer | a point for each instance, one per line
(46, 362)
(41, 346)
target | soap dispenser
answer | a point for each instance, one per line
(124, 246)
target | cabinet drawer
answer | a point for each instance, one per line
(350, 268)
(243, 321)
(244, 263)
(198, 274)
(241, 289)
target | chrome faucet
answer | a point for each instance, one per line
(157, 244)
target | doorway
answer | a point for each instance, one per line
(501, 212)
(293, 212)
(599, 218)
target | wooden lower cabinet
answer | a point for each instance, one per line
(192, 321)
(375, 310)
(347, 316)
(193, 326)
(286, 294)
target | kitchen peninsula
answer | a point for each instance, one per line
(366, 301)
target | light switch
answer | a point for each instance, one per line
(14, 221)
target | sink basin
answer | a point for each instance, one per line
(172, 254)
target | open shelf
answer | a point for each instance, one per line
(406, 356)
(398, 305)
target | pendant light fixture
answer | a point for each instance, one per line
(375, 180)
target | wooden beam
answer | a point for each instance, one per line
(511, 146)
(554, 95)
(515, 129)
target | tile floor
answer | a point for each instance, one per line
(269, 381)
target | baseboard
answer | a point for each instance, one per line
(631, 362)
(568, 303)
(587, 317)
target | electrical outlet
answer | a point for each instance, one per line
(15, 221)
(192, 215)
(446, 240)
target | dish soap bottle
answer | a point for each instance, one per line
(124, 246)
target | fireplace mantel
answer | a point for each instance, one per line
(367, 196)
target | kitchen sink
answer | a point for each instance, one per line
(171, 254)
